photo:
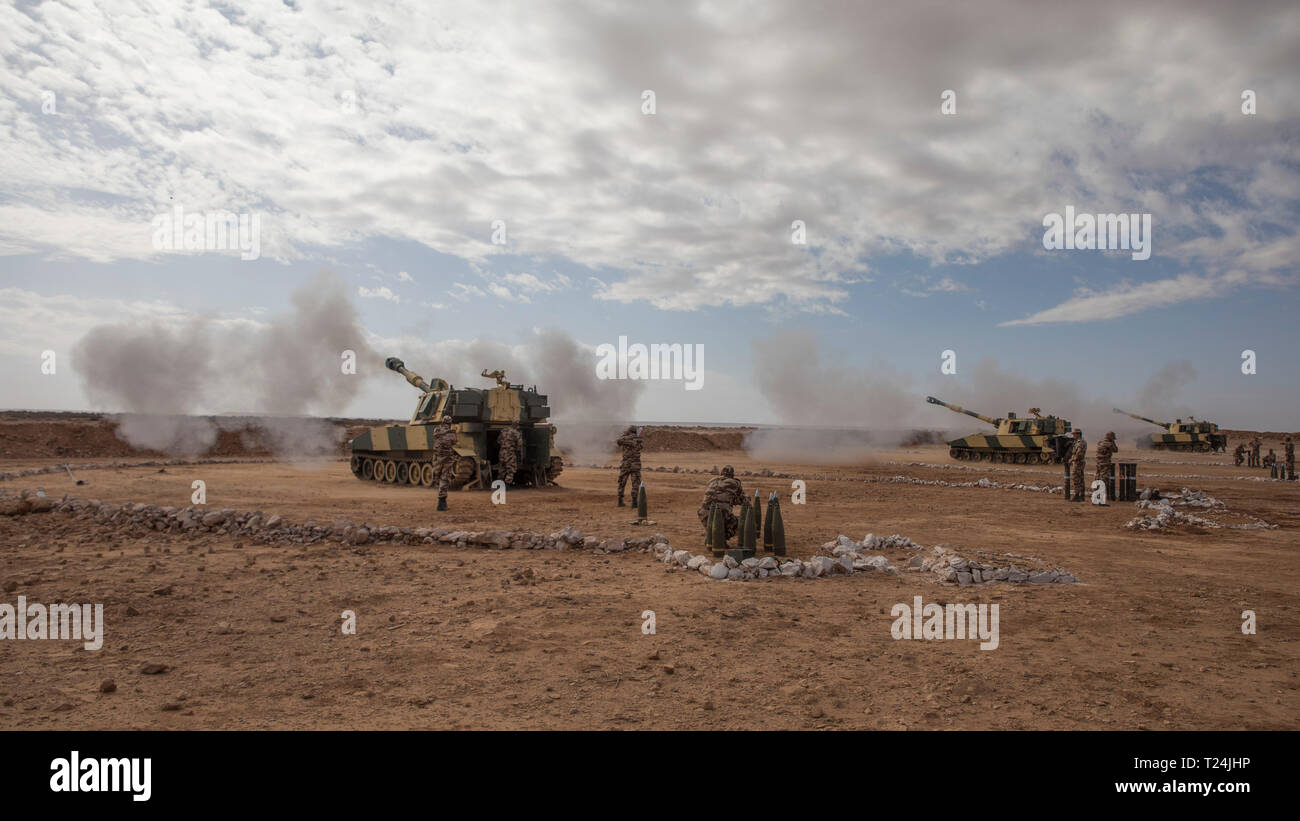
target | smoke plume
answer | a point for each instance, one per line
(161, 374)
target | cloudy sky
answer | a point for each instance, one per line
(383, 141)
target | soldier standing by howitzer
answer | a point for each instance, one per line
(1076, 458)
(1239, 455)
(726, 491)
(1288, 449)
(509, 444)
(630, 466)
(1105, 449)
(1254, 451)
(444, 458)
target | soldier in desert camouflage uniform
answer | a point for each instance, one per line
(726, 490)
(1288, 449)
(1254, 451)
(1076, 458)
(1270, 459)
(1239, 455)
(509, 444)
(444, 459)
(630, 466)
(1105, 449)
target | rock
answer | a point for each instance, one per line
(153, 668)
(11, 586)
(822, 565)
(719, 571)
(696, 561)
(735, 573)
(844, 564)
(107, 686)
(1014, 575)
(792, 568)
(614, 545)
(963, 578)
(1045, 577)
(767, 563)
(223, 628)
(730, 562)
(751, 562)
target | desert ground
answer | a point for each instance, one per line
(247, 633)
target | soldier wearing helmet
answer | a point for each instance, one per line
(1105, 471)
(726, 491)
(629, 468)
(444, 458)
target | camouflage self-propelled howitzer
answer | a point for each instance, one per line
(1022, 440)
(1194, 435)
(403, 454)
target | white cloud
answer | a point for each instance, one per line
(382, 292)
(1130, 298)
(343, 123)
(405, 277)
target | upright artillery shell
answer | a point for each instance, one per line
(641, 502)
(778, 530)
(767, 523)
(747, 526)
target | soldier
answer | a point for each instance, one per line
(509, 444)
(1105, 449)
(1239, 455)
(1288, 449)
(1254, 451)
(1076, 458)
(726, 491)
(1270, 459)
(444, 458)
(630, 466)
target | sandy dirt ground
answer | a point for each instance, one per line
(475, 638)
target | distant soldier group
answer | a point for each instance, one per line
(1248, 452)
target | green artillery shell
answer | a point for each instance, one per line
(641, 502)
(747, 531)
(758, 515)
(778, 532)
(767, 523)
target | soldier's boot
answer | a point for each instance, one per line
(442, 502)
(620, 502)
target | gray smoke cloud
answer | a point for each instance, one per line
(1158, 397)
(163, 373)
(808, 394)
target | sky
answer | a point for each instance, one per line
(919, 145)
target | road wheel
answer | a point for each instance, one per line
(426, 474)
(466, 471)
(390, 471)
(355, 463)
(368, 469)
(401, 473)
(413, 473)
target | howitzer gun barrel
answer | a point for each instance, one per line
(1141, 418)
(395, 364)
(959, 409)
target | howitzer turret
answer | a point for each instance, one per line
(1018, 439)
(1194, 434)
(404, 454)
